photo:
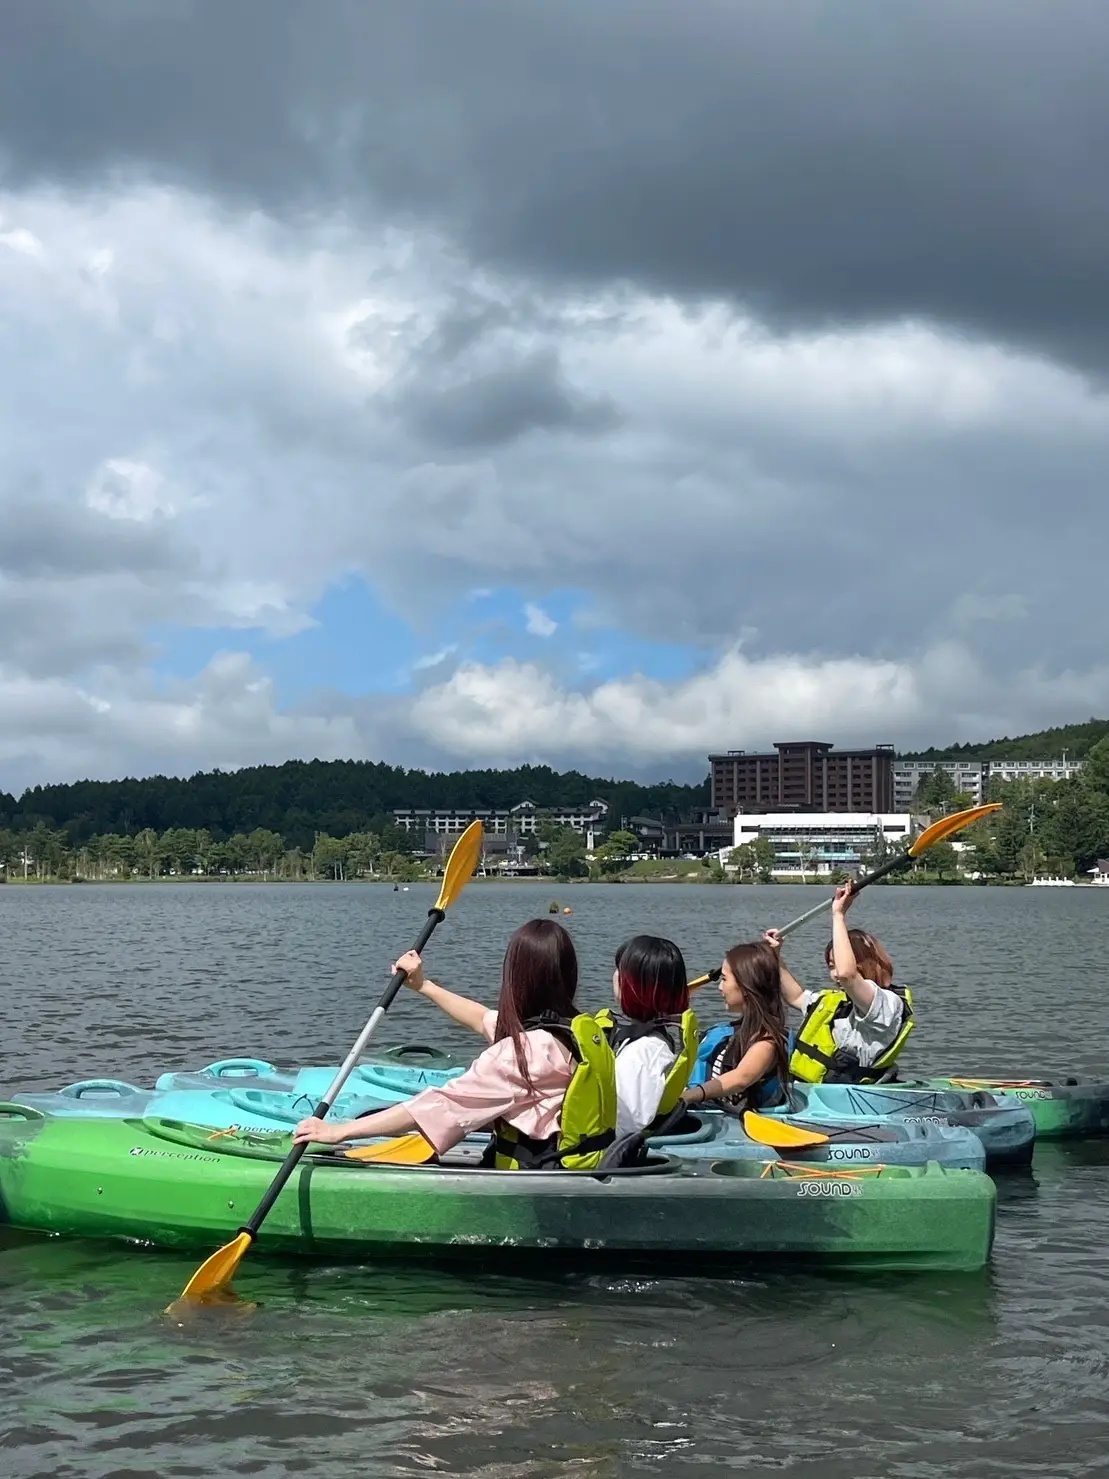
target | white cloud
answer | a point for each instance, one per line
(226, 716)
(539, 624)
(515, 712)
(434, 659)
(234, 419)
(123, 489)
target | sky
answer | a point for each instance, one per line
(596, 385)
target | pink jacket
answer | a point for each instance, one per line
(493, 1088)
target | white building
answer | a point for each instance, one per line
(907, 775)
(1033, 770)
(520, 819)
(814, 844)
(974, 776)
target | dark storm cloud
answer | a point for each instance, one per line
(54, 539)
(818, 161)
(487, 410)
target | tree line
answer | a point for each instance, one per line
(45, 854)
(1076, 739)
(301, 799)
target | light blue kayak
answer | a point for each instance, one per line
(712, 1135)
(1003, 1124)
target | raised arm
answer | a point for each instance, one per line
(845, 967)
(460, 1009)
(792, 991)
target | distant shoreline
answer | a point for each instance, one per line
(548, 882)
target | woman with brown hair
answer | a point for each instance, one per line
(540, 1047)
(748, 1066)
(853, 1032)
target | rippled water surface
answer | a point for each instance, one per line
(385, 1371)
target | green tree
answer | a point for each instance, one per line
(330, 857)
(146, 851)
(47, 850)
(753, 861)
(936, 793)
(614, 854)
(565, 855)
(1095, 776)
(941, 859)
(1076, 829)
(119, 855)
(363, 851)
(265, 850)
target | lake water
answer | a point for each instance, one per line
(377, 1371)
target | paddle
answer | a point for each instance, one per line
(218, 1270)
(779, 1133)
(937, 832)
(405, 1150)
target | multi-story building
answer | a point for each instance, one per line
(1032, 770)
(814, 844)
(520, 819)
(974, 776)
(805, 775)
(967, 776)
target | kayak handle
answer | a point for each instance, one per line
(239, 1068)
(99, 1086)
(417, 1050)
(19, 1112)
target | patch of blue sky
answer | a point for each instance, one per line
(359, 645)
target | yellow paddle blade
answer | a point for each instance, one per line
(218, 1270)
(405, 1150)
(464, 858)
(948, 826)
(779, 1134)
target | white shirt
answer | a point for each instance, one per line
(865, 1034)
(641, 1069)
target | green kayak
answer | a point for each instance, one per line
(184, 1186)
(1063, 1109)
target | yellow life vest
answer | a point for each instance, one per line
(677, 1080)
(816, 1058)
(587, 1124)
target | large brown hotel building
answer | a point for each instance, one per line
(806, 776)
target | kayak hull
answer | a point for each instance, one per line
(716, 1135)
(251, 1093)
(847, 1143)
(175, 1186)
(1004, 1125)
(1061, 1109)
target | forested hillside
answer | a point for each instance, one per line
(1077, 739)
(301, 798)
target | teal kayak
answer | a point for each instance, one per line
(711, 1135)
(1062, 1109)
(1003, 1124)
(170, 1184)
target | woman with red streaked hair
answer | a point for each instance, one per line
(649, 984)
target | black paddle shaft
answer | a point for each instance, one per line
(435, 917)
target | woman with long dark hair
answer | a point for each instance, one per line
(747, 1066)
(539, 1044)
(655, 1041)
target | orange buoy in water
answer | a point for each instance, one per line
(567, 910)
